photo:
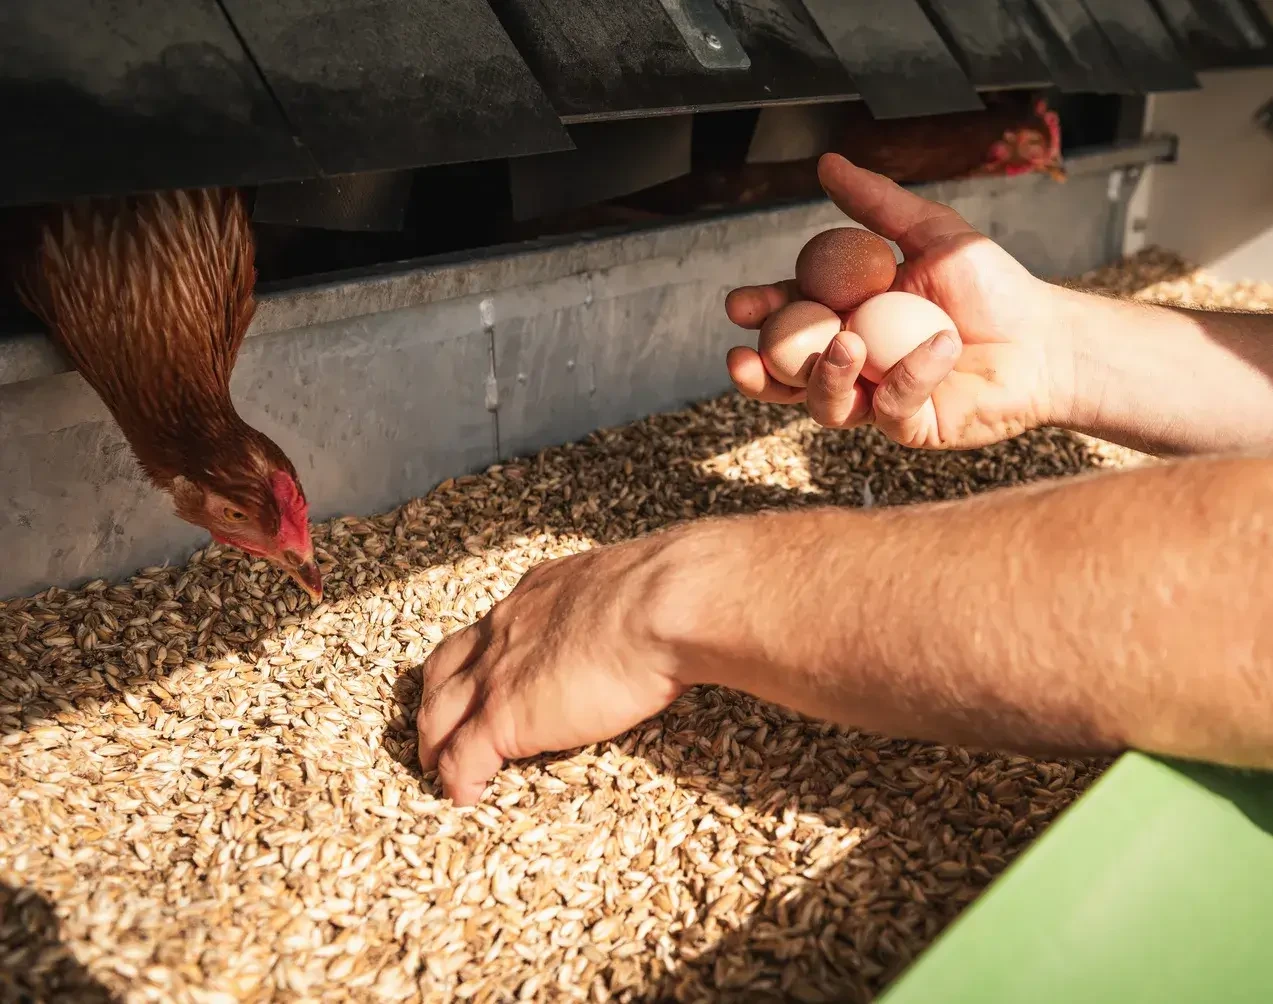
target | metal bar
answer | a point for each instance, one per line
(707, 34)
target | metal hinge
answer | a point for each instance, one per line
(707, 34)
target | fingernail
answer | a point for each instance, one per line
(838, 354)
(944, 345)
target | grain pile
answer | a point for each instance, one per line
(208, 789)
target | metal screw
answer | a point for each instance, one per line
(712, 41)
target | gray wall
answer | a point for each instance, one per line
(382, 385)
(1214, 205)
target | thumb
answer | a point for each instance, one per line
(912, 222)
(903, 405)
(835, 401)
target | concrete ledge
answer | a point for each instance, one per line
(382, 384)
(355, 293)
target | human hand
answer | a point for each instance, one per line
(570, 657)
(1004, 373)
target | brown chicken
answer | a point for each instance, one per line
(1015, 134)
(150, 297)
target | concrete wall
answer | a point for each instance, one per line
(381, 385)
(1215, 204)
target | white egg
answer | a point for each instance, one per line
(893, 325)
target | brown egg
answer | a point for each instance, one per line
(893, 325)
(844, 267)
(793, 337)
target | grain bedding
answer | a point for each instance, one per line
(209, 790)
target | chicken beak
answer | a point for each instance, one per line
(309, 578)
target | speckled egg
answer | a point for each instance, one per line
(844, 267)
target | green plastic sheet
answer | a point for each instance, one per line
(1156, 886)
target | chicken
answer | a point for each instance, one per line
(1015, 134)
(150, 297)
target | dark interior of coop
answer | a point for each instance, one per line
(438, 132)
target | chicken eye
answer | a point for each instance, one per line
(233, 515)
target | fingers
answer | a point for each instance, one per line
(909, 220)
(453, 653)
(748, 306)
(442, 710)
(906, 389)
(468, 761)
(445, 694)
(835, 400)
(754, 381)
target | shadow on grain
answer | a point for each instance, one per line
(35, 965)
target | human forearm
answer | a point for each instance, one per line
(1164, 379)
(1083, 617)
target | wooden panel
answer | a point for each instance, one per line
(1150, 58)
(373, 85)
(1077, 54)
(106, 98)
(989, 43)
(896, 56)
(1219, 33)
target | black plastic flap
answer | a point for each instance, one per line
(988, 42)
(790, 60)
(896, 56)
(1150, 58)
(610, 159)
(372, 201)
(105, 99)
(373, 85)
(1219, 34)
(598, 59)
(785, 133)
(1072, 45)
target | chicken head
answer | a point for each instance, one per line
(270, 522)
(150, 296)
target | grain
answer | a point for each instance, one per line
(208, 789)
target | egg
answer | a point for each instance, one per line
(844, 267)
(893, 325)
(792, 338)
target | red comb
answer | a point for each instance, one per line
(293, 511)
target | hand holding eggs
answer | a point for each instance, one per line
(846, 274)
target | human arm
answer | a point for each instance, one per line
(1032, 353)
(1081, 617)
(1164, 379)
